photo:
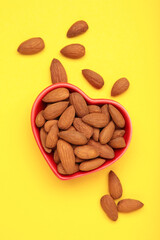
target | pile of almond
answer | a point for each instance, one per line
(82, 137)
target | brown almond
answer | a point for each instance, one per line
(79, 104)
(106, 133)
(118, 133)
(49, 124)
(129, 205)
(120, 86)
(83, 127)
(67, 117)
(93, 78)
(105, 110)
(78, 160)
(91, 164)
(31, 46)
(52, 137)
(61, 170)
(40, 120)
(66, 155)
(77, 28)
(109, 207)
(97, 120)
(73, 137)
(94, 109)
(86, 152)
(71, 128)
(73, 51)
(54, 110)
(117, 117)
(56, 157)
(105, 151)
(117, 142)
(58, 73)
(95, 135)
(43, 136)
(56, 95)
(115, 187)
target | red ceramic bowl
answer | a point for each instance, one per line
(39, 105)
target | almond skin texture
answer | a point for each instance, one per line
(95, 135)
(118, 133)
(61, 170)
(52, 137)
(66, 155)
(56, 95)
(93, 78)
(54, 110)
(67, 117)
(120, 86)
(109, 207)
(86, 152)
(73, 137)
(49, 124)
(77, 28)
(43, 136)
(73, 51)
(83, 127)
(117, 143)
(40, 120)
(116, 116)
(58, 73)
(105, 110)
(91, 164)
(94, 109)
(97, 120)
(106, 133)
(105, 151)
(31, 46)
(56, 157)
(129, 205)
(78, 160)
(79, 104)
(71, 128)
(115, 187)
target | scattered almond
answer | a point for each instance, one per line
(77, 28)
(109, 207)
(120, 86)
(73, 51)
(31, 46)
(93, 78)
(58, 73)
(129, 205)
(115, 187)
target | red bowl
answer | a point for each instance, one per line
(39, 105)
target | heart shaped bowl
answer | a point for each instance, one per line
(39, 105)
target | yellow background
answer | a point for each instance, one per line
(123, 40)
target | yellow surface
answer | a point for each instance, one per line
(123, 40)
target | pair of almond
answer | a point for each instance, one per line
(115, 190)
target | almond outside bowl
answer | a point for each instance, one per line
(39, 105)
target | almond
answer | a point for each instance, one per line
(95, 135)
(79, 104)
(66, 155)
(56, 95)
(106, 133)
(73, 51)
(91, 164)
(117, 143)
(73, 137)
(105, 151)
(71, 128)
(78, 160)
(109, 207)
(58, 73)
(93, 78)
(120, 86)
(94, 109)
(83, 127)
(86, 152)
(31, 46)
(129, 205)
(61, 170)
(52, 137)
(67, 117)
(97, 120)
(116, 116)
(115, 187)
(105, 110)
(77, 28)
(118, 133)
(43, 136)
(56, 157)
(54, 110)
(49, 124)
(40, 120)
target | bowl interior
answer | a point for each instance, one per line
(39, 105)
